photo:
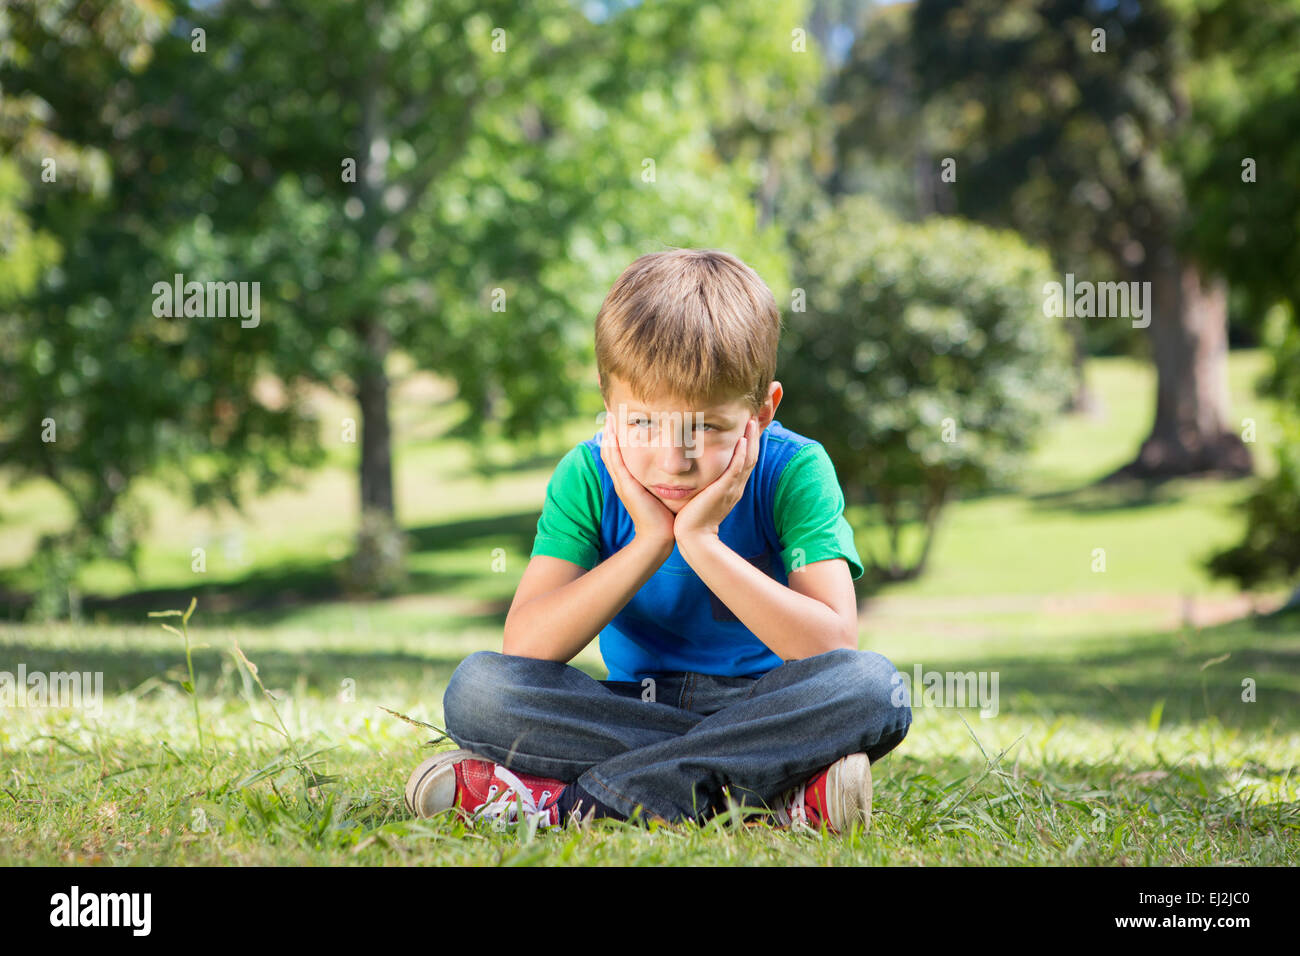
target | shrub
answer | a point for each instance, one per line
(923, 361)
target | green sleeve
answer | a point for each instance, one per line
(810, 512)
(570, 524)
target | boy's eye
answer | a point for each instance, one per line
(641, 422)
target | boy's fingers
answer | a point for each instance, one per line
(617, 467)
(607, 452)
(607, 445)
(743, 457)
(616, 454)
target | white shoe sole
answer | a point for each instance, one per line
(431, 788)
(848, 792)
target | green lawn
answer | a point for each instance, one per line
(1120, 737)
(1132, 751)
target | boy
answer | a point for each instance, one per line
(707, 546)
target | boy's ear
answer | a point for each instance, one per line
(767, 412)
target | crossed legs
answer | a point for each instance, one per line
(769, 734)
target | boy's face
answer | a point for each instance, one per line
(668, 445)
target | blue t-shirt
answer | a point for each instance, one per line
(791, 514)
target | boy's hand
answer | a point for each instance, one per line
(703, 513)
(651, 518)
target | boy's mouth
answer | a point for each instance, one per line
(670, 491)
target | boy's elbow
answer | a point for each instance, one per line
(516, 649)
(848, 636)
(511, 643)
(514, 645)
(507, 636)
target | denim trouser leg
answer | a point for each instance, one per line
(672, 756)
(550, 719)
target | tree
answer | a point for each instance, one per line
(1239, 154)
(1269, 551)
(923, 363)
(893, 148)
(486, 140)
(95, 389)
(1242, 163)
(1059, 115)
(461, 181)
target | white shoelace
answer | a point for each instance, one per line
(506, 806)
(796, 808)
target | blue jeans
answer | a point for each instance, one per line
(672, 755)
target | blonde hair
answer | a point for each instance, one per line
(697, 324)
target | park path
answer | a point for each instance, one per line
(963, 612)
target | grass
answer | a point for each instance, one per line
(1121, 737)
(1041, 538)
(1130, 753)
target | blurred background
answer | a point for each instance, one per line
(433, 198)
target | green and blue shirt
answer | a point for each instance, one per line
(791, 514)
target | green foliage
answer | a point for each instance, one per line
(1142, 143)
(1282, 336)
(911, 331)
(1071, 146)
(1066, 120)
(56, 597)
(24, 254)
(97, 391)
(498, 187)
(1245, 105)
(498, 192)
(1269, 550)
(1041, 122)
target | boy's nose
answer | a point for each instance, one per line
(673, 459)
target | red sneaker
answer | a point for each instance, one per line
(481, 789)
(839, 796)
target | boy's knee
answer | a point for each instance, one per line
(475, 693)
(867, 671)
(876, 685)
(474, 672)
(886, 683)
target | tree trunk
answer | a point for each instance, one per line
(1082, 400)
(1189, 343)
(373, 336)
(768, 190)
(376, 444)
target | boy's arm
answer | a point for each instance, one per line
(560, 606)
(815, 614)
(818, 611)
